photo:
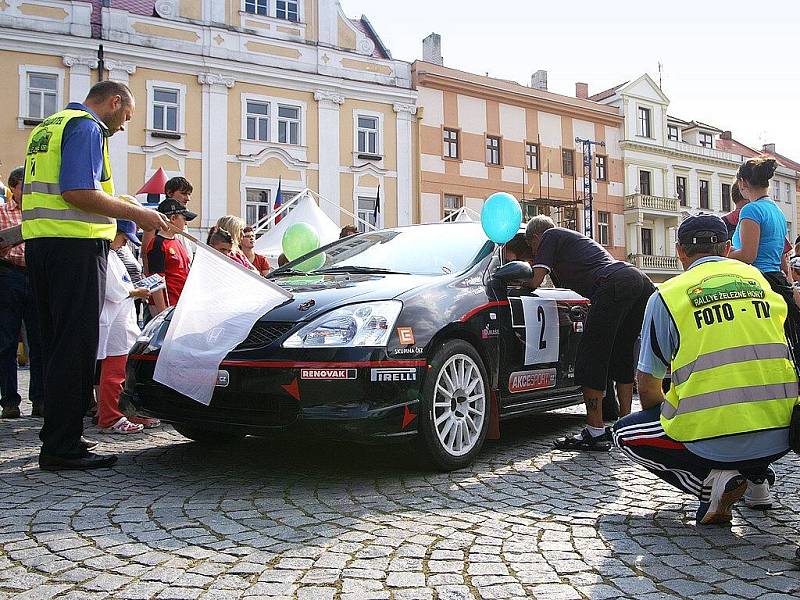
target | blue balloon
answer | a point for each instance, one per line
(501, 217)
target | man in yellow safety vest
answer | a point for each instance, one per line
(68, 212)
(719, 328)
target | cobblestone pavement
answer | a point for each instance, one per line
(303, 519)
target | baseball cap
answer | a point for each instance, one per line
(171, 206)
(129, 229)
(702, 229)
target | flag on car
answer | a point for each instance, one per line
(218, 307)
(278, 202)
(377, 211)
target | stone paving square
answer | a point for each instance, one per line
(319, 520)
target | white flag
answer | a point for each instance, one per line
(218, 307)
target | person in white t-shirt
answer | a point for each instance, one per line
(118, 333)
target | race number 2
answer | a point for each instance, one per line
(541, 330)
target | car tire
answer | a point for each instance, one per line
(455, 407)
(207, 436)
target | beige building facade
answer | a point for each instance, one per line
(479, 135)
(236, 95)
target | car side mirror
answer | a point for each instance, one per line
(517, 269)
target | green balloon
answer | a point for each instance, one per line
(299, 239)
(312, 264)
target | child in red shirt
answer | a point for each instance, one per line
(167, 255)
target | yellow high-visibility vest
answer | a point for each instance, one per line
(45, 213)
(732, 372)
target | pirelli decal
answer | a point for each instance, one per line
(527, 381)
(328, 373)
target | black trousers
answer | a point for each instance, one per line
(612, 328)
(68, 279)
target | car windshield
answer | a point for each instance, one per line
(421, 250)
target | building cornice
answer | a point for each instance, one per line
(190, 64)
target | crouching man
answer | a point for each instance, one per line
(725, 418)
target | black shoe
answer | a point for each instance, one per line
(88, 444)
(585, 441)
(10, 412)
(36, 411)
(51, 462)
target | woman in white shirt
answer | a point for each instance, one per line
(118, 333)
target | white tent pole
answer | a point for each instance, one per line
(267, 221)
(344, 210)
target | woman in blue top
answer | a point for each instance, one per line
(760, 236)
(761, 232)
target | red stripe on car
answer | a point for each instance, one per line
(478, 309)
(275, 364)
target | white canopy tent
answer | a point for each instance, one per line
(304, 210)
(462, 214)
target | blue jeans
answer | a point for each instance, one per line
(16, 306)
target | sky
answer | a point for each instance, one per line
(731, 64)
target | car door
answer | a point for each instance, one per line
(540, 342)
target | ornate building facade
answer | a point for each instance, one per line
(236, 95)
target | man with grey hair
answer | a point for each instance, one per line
(619, 294)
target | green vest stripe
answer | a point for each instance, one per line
(69, 214)
(738, 395)
(728, 356)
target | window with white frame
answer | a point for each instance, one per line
(288, 124)
(450, 143)
(788, 192)
(42, 95)
(257, 205)
(256, 7)
(368, 134)
(257, 121)
(603, 219)
(776, 191)
(451, 204)
(287, 9)
(366, 212)
(706, 140)
(492, 150)
(166, 106)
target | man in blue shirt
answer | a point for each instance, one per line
(67, 268)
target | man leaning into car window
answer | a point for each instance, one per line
(618, 292)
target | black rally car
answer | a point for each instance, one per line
(413, 332)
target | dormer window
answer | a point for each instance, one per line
(288, 10)
(706, 139)
(672, 133)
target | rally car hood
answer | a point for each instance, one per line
(316, 294)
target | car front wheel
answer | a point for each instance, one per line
(454, 409)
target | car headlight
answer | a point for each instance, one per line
(367, 324)
(153, 326)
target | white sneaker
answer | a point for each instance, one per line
(758, 495)
(726, 488)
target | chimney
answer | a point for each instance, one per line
(582, 90)
(726, 135)
(432, 49)
(769, 148)
(539, 80)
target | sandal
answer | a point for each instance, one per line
(584, 441)
(146, 422)
(123, 426)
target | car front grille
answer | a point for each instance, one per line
(263, 334)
